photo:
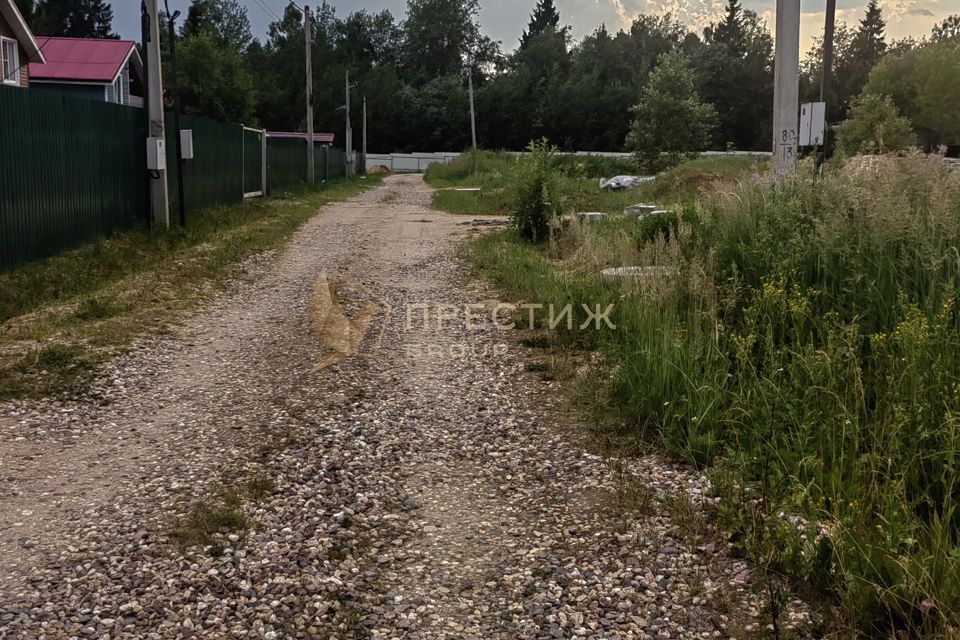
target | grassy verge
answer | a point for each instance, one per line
(579, 185)
(801, 344)
(62, 317)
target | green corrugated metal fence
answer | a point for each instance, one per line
(215, 174)
(286, 162)
(70, 170)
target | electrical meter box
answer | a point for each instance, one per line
(186, 144)
(156, 154)
(812, 123)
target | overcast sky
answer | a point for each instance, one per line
(504, 19)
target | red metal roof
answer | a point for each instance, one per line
(80, 59)
(317, 137)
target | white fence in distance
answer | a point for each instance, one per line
(418, 162)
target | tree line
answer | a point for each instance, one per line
(581, 95)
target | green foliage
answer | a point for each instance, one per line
(948, 30)
(214, 81)
(808, 351)
(545, 17)
(856, 52)
(441, 34)
(924, 84)
(670, 121)
(226, 19)
(735, 74)
(72, 19)
(534, 191)
(26, 9)
(874, 126)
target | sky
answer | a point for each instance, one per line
(504, 20)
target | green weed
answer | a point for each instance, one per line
(807, 346)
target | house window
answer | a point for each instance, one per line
(11, 61)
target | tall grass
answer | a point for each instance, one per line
(808, 354)
(579, 182)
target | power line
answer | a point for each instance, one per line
(266, 9)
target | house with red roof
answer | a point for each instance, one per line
(92, 68)
(18, 47)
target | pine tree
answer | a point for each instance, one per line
(866, 48)
(671, 120)
(73, 19)
(544, 17)
(868, 43)
(730, 30)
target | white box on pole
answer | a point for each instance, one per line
(812, 123)
(186, 144)
(156, 154)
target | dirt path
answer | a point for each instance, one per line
(425, 487)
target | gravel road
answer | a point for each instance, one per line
(425, 486)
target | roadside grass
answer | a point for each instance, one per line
(487, 201)
(580, 182)
(60, 318)
(805, 353)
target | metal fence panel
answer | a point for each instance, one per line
(215, 174)
(337, 164)
(70, 171)
(252, 161)
(286, 162)
(321, 155)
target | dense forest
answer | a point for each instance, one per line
(578, 94)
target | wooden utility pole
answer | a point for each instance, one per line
(786, 85)
(364, 129)
(307, 37)
(178, 137)
(827, 74)
(473, 112)
(159, 198)
(349, 140)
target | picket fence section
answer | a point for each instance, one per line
(73, 170)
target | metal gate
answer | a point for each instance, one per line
(254, 162)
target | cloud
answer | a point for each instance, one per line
(621, 12)
(696, 14)
(920, 12)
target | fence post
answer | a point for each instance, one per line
(263, 162)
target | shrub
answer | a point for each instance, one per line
(670, 121)
(534, 191)
(924, 84)
(874, 126)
